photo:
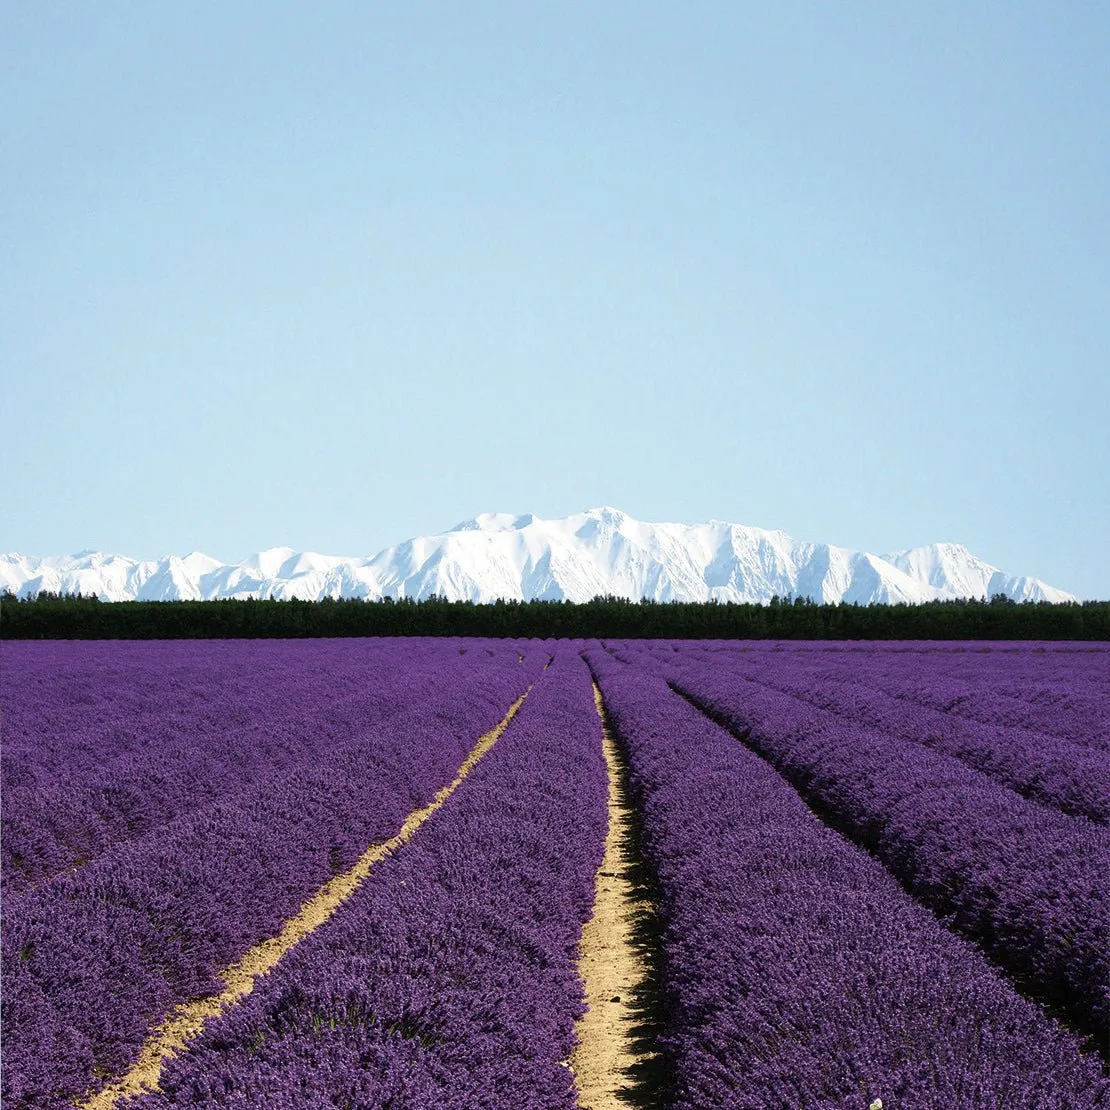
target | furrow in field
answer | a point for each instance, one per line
(1053, 773)
(796, 972)
(612, 1063)
(188, 1019)
(107, 746)
(1059, 774)
(94, 961)
(1023, 882)
(450, 979)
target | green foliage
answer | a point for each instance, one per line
(54, 616)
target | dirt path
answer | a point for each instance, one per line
(613, 1053)
(187, 1021)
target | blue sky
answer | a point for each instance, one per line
(333, 275)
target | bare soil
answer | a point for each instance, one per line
(612, 1049)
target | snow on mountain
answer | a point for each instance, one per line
(950, 566)
(499, 555)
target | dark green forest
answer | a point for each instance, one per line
(68, 617)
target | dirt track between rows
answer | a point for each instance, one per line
(611, 1053)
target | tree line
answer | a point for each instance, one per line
(73, 617)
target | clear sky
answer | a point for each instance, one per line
(331, 275)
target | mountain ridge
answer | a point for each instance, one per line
(601, 551)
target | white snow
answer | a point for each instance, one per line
(501, 555)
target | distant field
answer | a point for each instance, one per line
(430, 873)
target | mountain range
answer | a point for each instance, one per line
(496, 555)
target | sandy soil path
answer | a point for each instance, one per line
(612, 1062)
(186, 1022)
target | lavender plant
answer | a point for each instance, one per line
(796, 971)
(450, 978)
(1025, 882)
(94, 959)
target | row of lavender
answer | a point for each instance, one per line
(94, 959)
(1058, 690)
(105, 743)
(1055, 689)
(1025, 882)
(450, 978)
(1068, 773)
(796, 971)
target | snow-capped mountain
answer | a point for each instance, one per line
(602, 551)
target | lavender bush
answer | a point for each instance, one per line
(1025, 882)
(105, 742)
(449, 978)
(797, 973)
(1060, 773)
(94, 959)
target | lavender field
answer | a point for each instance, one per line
(356, 873)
